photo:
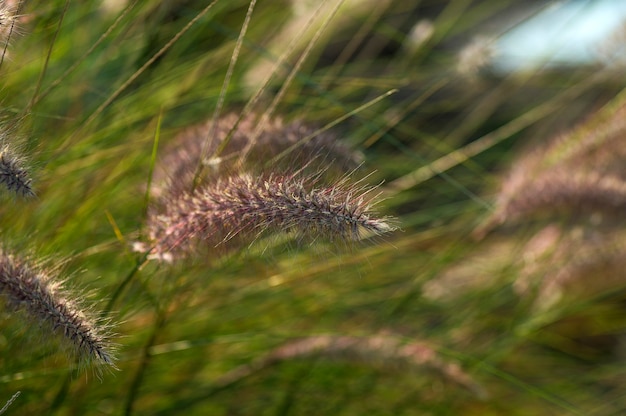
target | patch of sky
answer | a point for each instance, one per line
(566, 33)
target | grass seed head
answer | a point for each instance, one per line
(385, 351)
(578, 173)
(246, 206)
(48, 304)
(197, 145)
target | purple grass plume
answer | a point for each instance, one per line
(46, 303)
(197, 145)
(580, 174)
(246, 206)
(571, 193)
(385, 351)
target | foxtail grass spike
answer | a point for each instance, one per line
(383, 351)
(579, 172)
(567, 264)
(175, 173)
(32, 290)
(576, 193)
(246, 206)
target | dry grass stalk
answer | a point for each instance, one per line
(247, 206)
(32, 290)
(10, 402)
(383, 351)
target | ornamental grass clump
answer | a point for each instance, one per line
(246, 206)
(46, 303)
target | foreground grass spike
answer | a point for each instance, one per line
(13, 175)
(30, 289)
(246, 205)
(384, 351)
(174, 174)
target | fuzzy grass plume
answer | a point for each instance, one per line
(566, 264)
(385, 351)
(581, 172)
(32, 290)
(216, 147)
(246, 206)
(576, 186)
(572, 193)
